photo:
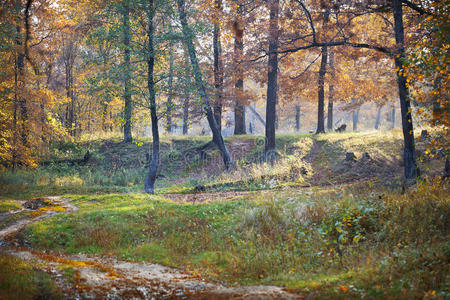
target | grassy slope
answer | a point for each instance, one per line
(116, 167)
(357, 240)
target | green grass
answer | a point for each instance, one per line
(9, 205)
(118, 167)
(22, 281)
(317, 239)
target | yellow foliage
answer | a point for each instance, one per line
(53, 208)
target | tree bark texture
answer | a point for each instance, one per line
(378, 118)
(272, 74)
(218, 67)
(355, 117)
(409, 151)
(392, 117)
(331, 92)
(239, 108)
(169, 104)
(153, 168)
(321, 85)
(297, 118)
(128, 106)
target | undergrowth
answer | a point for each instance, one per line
(115, 166)
(356, 241)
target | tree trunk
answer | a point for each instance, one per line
(89, 117)
(128, 108)
(18, 70)
(331, 93)
(321, 93)
(437, 109)
(355, 117)
(20, 114)
(21, 72)
(169, 126)
(111, 124)
(409, 151)
(392, 117)
(72, 103)
(258, 116)
(321, 85)
(272, 74)
(69, 61)
(22, 101)
(218, 67)
(68, 114)
(217, 135)
(153, 168)
(187, 85)
(378, 119)
(239, 108)
(104, 113)
(297, 118)
(186, 114)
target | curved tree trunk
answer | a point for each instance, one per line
(409, 151)
(153, 168)
(217, 135)
(128, 108)
(272, 74)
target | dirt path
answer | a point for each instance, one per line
(207, 196)
(108, 278)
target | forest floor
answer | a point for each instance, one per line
(312, 226)
(96, 277)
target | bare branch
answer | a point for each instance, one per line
(308, 16)
(417, 8)
(306, 69)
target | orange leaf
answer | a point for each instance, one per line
(343, 288)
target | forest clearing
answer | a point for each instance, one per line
(224, 149)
